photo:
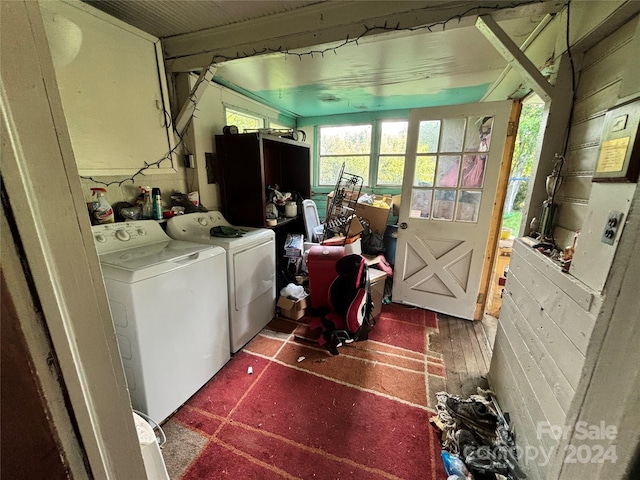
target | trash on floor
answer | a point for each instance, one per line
(476, 434)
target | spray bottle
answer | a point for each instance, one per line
(102, 211)
(147, 205)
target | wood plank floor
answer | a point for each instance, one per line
(466, 350)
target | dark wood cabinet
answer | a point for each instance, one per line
(249, 162)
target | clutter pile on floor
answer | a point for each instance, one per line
(477, 442)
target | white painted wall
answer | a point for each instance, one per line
(209, 121)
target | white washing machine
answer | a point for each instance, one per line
(251, 270)
(168, 301)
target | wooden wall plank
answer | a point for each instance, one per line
(578, 186)
(605, 71)
(503, 380)
(570, 216)
(597, 101)
(576, 290)
(582, 159)
(586, 132)
(575, 322)
(565, 353)
(560, 388)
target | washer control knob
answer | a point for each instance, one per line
(141, 232)
(202, 221)
(101, 238)
(122, 235)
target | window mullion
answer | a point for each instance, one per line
(375, 153)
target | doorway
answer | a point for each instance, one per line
(512, 225)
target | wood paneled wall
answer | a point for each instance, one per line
(598, 88)
(545, 324)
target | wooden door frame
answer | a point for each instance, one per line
(498, 209)
(44, 193)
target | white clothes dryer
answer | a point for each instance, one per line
(251, 270)
(168, 302)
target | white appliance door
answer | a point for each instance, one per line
(252, 291)
(173, 333)
(254, 271)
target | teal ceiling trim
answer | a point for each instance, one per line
(320, 104)
(318, 100)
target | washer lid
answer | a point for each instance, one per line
(146, 256)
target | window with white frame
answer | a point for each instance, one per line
(374, 151)
(349, 144)
(393, 143)
(242, 120)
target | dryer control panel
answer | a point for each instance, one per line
(112, 237)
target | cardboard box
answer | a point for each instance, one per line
(376, 216)
(293, 309)
(293, 245)
(377, 280)
(396, 204)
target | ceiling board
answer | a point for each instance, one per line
(396, 69)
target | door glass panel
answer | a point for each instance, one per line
(425, 171)
(452, 134)
(443, 204)
(479, 134)
(448, 169)
(420, 203)
(473, 171)
(468, 206)
(428, 135)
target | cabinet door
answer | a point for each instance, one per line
(241, 179)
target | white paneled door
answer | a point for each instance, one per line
(449, 188)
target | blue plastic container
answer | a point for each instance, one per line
(390, 239)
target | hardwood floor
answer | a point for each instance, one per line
(466, 350)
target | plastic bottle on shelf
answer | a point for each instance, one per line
(102, 211)
(157, 204)
(147, 206)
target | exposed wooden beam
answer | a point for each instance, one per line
(190, 104)
(332, 23)
(516, 57)
(504, 85)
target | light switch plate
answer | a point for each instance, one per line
(611, 227)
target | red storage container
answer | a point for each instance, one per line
(321, 264)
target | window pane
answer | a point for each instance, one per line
(479, 134)
(468, 206)
(390, 170)
(448, 168)
(428, 136)
(473, 171)
(330, 168)
(243, 121)
(443, 204)
(349, 140)
(420, 203)
(452, 134)
(425, 171)
(393, 138)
